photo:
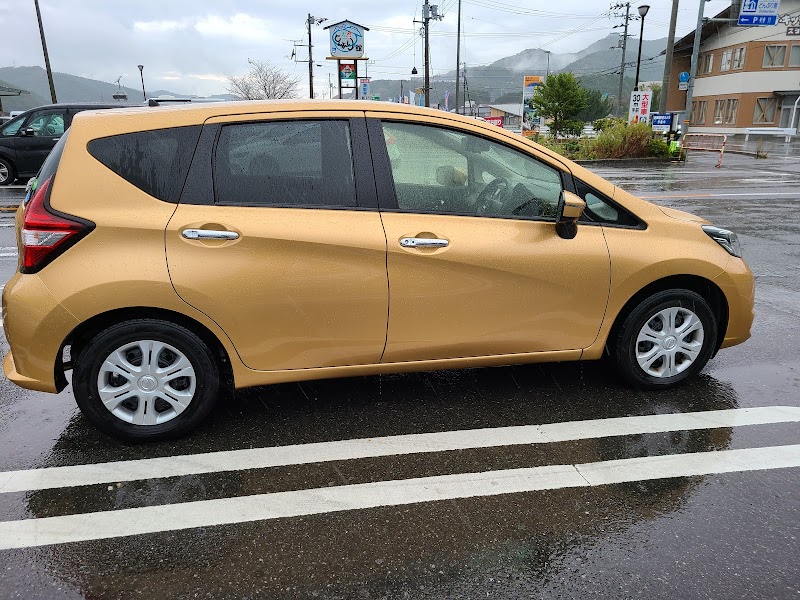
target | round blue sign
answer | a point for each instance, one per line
(684, 76)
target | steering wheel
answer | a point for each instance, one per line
(493, 195)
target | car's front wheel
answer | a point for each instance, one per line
(665, 339)
(146, 380)
(7, 172)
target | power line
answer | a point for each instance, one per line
(500, 6)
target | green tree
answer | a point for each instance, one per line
(560, 99)
(655, 97)
(598, 106)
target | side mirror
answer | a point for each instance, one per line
(28, 132)
(570, 209)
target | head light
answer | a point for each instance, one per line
(725, 238)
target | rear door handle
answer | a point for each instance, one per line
(415, 242)
(209, 234)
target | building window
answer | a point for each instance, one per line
(698, 116)
(707, 63)
(731, 109)
(725, 62)
(725, 111)
(774, 56)
(719, 112)
(794, 57)
(738, 58)
(765, 110)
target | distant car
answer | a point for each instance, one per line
(4, 120)
(26, 140)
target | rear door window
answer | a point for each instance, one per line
(154, 161)
(285, 163)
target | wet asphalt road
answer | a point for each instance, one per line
(718, 535)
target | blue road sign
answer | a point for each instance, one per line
(662, 122)
(684, 76)
(763, 20)
(759, 12)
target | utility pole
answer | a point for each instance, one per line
(426, 17)
(46, 56)
(310, 60)
(698, 33)
(662, 101)
(627, 17)
(309, 22)
(429, 11)
(458, 54)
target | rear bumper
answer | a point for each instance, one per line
(36, 325)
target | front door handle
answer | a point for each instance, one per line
(415, 242)
(209, 234)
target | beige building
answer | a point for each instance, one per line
(746, 76)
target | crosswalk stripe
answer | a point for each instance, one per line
(278, 456)
(206, 513)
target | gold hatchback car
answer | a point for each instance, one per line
(166, 254)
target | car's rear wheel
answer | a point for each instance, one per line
(146, 380)
(7, 173)
(665, 339)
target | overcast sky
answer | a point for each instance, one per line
(189, 46)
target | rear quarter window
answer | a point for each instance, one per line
(154, 161)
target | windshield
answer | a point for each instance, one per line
(12, 127)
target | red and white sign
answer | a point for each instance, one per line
(639, 109)
(494, 120)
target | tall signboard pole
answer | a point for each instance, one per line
(673, 19)
(347, 44)
(698, 33)
(46, 55)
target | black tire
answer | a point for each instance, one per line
(8, 174)
(624, 345)
(90, 359)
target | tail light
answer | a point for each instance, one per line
(46, 233)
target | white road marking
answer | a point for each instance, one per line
(7, 224)
(260, 458)
(711, 195)
(206, 513)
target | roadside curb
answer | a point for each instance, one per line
(627, 162)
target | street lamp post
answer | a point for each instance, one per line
(642, 12)
(141, 74)
(548, 64)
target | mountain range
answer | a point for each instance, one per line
(597, 67)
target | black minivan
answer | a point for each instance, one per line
(26, 140)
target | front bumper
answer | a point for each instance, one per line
(10, 370)
(738, 285)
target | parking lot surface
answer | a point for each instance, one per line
(552, 481)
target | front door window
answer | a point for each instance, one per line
(445, 171)
(46, 123)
